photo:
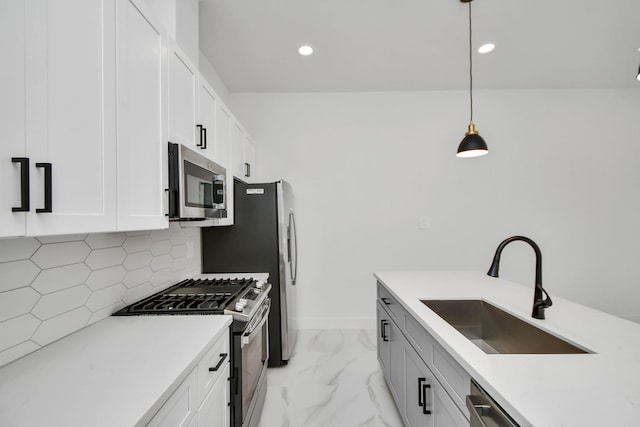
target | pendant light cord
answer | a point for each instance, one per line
(470, 67)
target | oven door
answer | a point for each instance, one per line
(255, 355)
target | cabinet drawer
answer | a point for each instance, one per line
(392, 305)
(419, 338)
(217, 357)
(453, 377)
(180, 408)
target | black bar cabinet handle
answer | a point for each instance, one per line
(247, 167)
(222, 357)
(47, 188)
(204, 141)
(383, 330)
(386, 301)
(200, 127)
(424, 399)
(24, 184)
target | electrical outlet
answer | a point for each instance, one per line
(424, 222)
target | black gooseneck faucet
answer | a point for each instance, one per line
(539, 303)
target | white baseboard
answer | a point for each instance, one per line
(337, 323)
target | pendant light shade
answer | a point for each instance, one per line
(472, 145)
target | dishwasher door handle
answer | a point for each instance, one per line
(482, 409)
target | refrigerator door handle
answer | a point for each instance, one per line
(293, 265)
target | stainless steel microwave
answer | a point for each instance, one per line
(197, 186)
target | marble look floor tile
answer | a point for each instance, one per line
(332, 379)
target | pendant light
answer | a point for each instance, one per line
(638, 75)
(472, 144)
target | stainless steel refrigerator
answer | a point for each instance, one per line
(262, 239)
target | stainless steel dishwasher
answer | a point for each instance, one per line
(484, 411)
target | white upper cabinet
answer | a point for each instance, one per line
(183, 99)
(142, 96)
(12, 116)
(93, 143)
(237, 151)
(207, 101)
(249, 156)
(66, 129)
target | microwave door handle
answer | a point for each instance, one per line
(293, 265)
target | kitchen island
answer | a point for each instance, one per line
(598, 388)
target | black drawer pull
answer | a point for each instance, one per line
(200, 144)
(422, 395)
(24, 184)
(47, 188)
(385, 301)
(222, 357)
(383, 330)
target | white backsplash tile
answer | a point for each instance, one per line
(106, 277)
(61, 325)
(137, 243)
(55, 285)
(17, 302)
(60, 302)
(137, 260)
(59, 278)
(16, 274)
(137, 277)
(17, 330)
(15, 249)
(61, 238)
(108, 257)
(105, 240)
(57, 254)
(105, 297)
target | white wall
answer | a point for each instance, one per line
(563, 169)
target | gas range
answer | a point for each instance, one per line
(238, 297)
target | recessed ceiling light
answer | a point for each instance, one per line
(305, 50)
(486, 48)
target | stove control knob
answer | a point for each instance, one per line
(243, 301)
(239, 306)
(259, 285)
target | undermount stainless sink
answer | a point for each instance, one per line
(495, 331)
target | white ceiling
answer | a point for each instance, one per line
(381, 45)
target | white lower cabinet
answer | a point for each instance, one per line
(214, 410)
(405, 353)
(180, 409)
(202, 399)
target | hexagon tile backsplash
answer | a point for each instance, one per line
(53, 286)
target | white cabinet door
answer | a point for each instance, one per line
(249, 154)
(70, 110)
(214, 410)
(207, 100)
(183, 92)
(12, 115)
(142, 147)
(180, 408)
(237, 151)
(223, 156)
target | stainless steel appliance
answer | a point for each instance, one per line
(247, 301)
(484, 411)
(263, 238)
(197, 186)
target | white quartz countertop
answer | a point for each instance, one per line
(597, 389)
(117, 372)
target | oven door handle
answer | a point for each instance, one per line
(248, 337)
